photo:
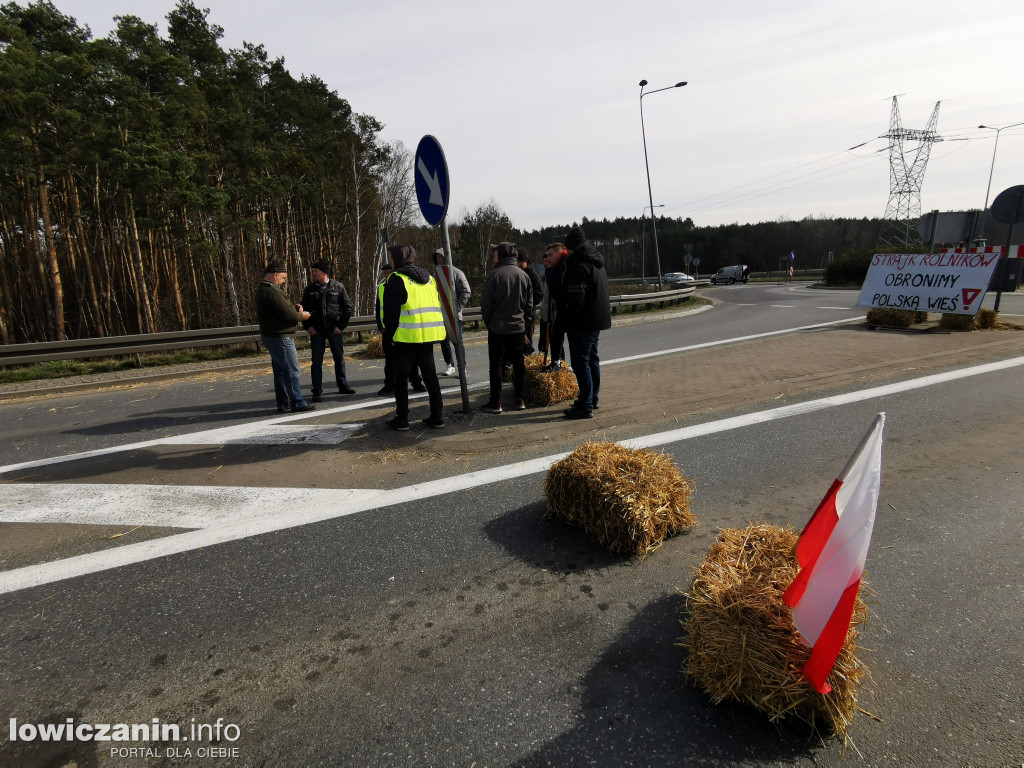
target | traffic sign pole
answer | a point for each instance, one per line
(430, 176)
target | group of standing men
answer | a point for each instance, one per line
(573, 301)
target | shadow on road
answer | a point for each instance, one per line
(638, 708)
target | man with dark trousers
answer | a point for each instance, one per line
(584, 311)
(552, 335)
(507, 310)
(329, 309)
(413, 321)
(389, 357)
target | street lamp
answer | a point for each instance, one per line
(990, 170)
(650, 196)
(643, 241)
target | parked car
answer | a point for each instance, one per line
(730, 275)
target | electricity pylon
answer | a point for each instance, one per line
(906, 173)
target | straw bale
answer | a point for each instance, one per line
(951, 322)
(629, 500)
(375, 346)
(741, 641)
(895, 318)
(986, 319)
(549, 388)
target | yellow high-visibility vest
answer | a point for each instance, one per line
(421, 319)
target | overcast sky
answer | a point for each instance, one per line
(537, 104)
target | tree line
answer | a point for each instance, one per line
(146, 178)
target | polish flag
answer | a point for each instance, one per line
(831, 552)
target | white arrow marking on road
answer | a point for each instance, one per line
(328, 503)
(436, 198)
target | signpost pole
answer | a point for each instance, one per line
(460, 352)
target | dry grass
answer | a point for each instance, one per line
(629, 500)
(741, 641)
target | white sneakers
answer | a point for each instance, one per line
(450, 371)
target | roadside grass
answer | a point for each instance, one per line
(60, 369)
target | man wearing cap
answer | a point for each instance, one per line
(584, 311)
(330, 310)
(462, 294)
(412, 322)
(507, 310)
(279, 320)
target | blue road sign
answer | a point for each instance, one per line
(431, 174)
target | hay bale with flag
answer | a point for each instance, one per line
(630, 500)
(773, 619)
(548, 387)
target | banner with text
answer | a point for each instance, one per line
(954, 283)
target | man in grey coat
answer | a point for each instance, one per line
(462, 294)
(507, 310)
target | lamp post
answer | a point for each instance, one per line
(643, 242)
(650, 196)
(993, 167)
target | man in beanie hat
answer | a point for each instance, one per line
(462, 294)
(584, 311)
(330, 310)
(412, 322)
(279, 320)
(507, 310)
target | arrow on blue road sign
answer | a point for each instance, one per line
(431, 179)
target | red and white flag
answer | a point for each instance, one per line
(831, 552)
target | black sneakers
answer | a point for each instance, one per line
(434, 421)
(577, 413)
(316, 397)
(385, 391)
(399, 425)
(303, 408)
(346, 390)
(492, 408)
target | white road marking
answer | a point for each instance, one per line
(267, 514)
(842, 309)
(783, 306)
(707, 344)
(175, 506)
(256, 433)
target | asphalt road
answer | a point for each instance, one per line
(461, 627)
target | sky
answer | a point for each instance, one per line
(537, 105)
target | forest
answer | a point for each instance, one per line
(146, 178)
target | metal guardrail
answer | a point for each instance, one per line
(113, 346)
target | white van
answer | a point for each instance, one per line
(729, 275)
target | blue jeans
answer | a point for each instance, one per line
(586, 364)
(446, 349)
(285, 363)
(317, 346)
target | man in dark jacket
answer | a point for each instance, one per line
(536, 286)
(389, 355)
(329, 312)
(584, 311)
(279, 320)
(552, 335)
(507, 310)
(412, 319)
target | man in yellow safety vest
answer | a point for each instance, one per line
(412, 322)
